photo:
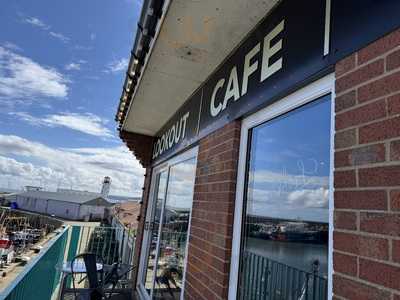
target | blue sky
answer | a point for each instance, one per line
(62, 66)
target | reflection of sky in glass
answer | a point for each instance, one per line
(289, 165)
(180, 186)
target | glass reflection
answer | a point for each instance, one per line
(174, 232)
(286, 225)
(161, 190)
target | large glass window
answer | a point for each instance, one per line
(284, 253)
(167, 227)
(174, 231)
(161, 187)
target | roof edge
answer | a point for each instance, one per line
(148, 28)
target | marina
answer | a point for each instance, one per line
(22, 236)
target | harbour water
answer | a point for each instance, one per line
(297, 255)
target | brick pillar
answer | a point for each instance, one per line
(367, 173)
(209, 251)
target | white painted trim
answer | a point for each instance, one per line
(331, 195)
(305, 95)
(146, 233)
(159, 234)
(192, 153)
(327, 34)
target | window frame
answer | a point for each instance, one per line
(313, 91)
(146, 239)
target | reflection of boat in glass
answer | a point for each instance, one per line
(299, 232)
(289, 231)
(262, 231)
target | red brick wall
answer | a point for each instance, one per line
(367, 173)
(210, 239)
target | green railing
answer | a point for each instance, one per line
(110, 243)
(265, 279)
(40, 278)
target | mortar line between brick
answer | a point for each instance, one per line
(369, 166)
(357, 146)
(359, 66)
(212, 267)
(362, 104)
(365, 282)
(202, 272)
(376, 78)
(199, 291)
(368, 123)
(367, 234)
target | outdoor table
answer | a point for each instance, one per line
(78, 268)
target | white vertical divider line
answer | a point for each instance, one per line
(331, 203)
(327, 35)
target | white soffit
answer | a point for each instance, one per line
(195, 37)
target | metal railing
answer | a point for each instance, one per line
(111, 243)
(40, 278)
(263, 278)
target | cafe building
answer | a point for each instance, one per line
(270, 134)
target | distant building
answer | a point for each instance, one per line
(71, 206)
(6, 198)
(126, 214)
(33, 188)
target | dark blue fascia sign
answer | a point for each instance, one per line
(283, 53)
(180, 131)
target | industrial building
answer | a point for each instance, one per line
(64, 205)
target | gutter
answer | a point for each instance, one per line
(151, 18)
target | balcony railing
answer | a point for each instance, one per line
(40, 279)
(267, 279)
(111, 243)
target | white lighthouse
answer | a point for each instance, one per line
(105, 189)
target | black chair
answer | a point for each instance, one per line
(116, 274)
(94, 276)
(98, 278)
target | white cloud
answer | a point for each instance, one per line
(83, 122)
(36, 22)
(59, 36)
(83, 48)
(289, 180)
(24, 79)
(117, 66)
(11, 46)
(316, 198)
(73, 66)
(82, 168)
(288, 196)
